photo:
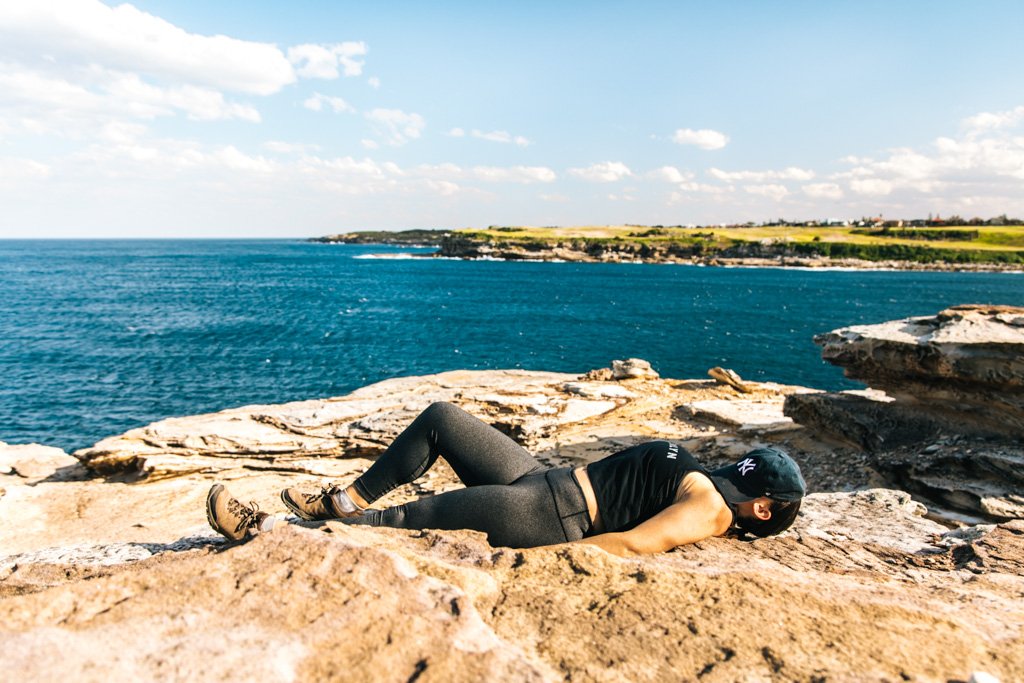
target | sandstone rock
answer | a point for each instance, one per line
(259, 450)
(311, 602)
(316, 438)
(747, 415)
(632, 368)
(982, 677)
(869, 422)
(854, 517)
(309, 437)
(945, 414)
(35, 461)
(598, 390)
(598, 375)
(123, 576)
(729, 377)
(980, 479)
(964, 366)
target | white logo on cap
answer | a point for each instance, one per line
(746, 465)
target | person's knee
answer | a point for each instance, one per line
(440, 410)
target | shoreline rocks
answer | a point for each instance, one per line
(107, 557)
(945, 417)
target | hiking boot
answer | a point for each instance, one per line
(330, 503)
(233, 520)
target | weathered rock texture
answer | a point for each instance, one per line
(945, 419)
(862, 589)
(112, 572)
(963, 367)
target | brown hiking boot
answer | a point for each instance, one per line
(233, 520)
(330, 503)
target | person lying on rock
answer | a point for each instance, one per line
(646, 499)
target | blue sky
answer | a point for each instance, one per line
(298, 119)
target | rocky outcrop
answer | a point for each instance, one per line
(962, 367)
(559, 416)
(34, 462)
(862, 588)
(111, 562)
(945, 414)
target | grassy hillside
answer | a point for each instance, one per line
(959, 244)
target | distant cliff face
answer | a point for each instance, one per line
(710, 250)
(796, 246)
(458, 245)
(408, 237)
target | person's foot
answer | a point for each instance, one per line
(231, 518)
(331, 502)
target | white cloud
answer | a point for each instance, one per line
(155, 159)
(349, 166)
(990, 121)
(44, 103)
(317, 102)
(446, 171)
(236, 160)
(515, 174)
(121, 132)
(290, 147)
(873, 187)
(604, 172)
(201, 104)
(670, 174)
(823, 191)
(490, 174)
(396, 126)
(979, 171)
(126, 38)
(791, 173)
(14, 169)
(693, 193)
(703, 138)
(373, 82)
(369, 144)
(20, 87)
(771, 190)
(445, 188)
(501, 136)
(705, 188)
(322, 61)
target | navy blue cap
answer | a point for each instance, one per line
(768, 472)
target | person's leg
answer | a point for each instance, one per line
(521, 515)
(479, 453)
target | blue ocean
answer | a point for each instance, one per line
(100, 336)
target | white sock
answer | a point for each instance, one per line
(344, 503)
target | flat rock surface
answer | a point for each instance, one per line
(861, 589)
(982, 344)
(115, 568)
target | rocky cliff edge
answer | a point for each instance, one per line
(107, 567)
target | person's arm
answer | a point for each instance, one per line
(697, 517)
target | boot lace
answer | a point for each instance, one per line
(247, 514)
(325, 491)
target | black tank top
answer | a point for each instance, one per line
(635, 484)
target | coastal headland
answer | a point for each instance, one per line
(905, 563)
(946, 247)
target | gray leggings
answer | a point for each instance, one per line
(508, 495)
